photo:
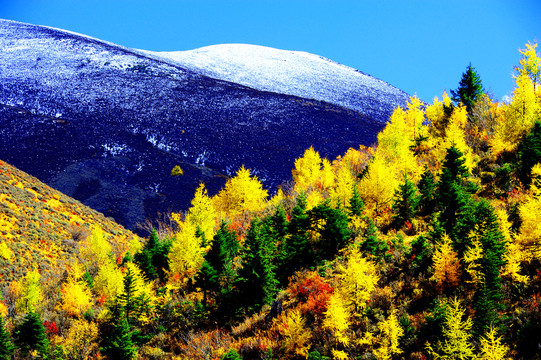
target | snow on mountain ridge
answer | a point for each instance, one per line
(295, 73)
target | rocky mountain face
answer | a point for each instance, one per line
(106, 124)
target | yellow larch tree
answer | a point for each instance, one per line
(438, 117)
(457, 343)
(76, 297)
(337, 319)
(81, 340)
(447, 271)
(95, 250)
(30, 295)
(378, 185)
(342, 191)
(530, 64)
(514, 255)
(357, 278)
(491, 347)
(186, 254)
(518, 117)
(241, 193)
(202, 214)
(108, 283)
(390, 333)
(306, 173)
(292, 326)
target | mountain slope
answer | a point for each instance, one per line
(106, 124)
(40, 226)
(292, 72)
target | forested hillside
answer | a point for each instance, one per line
(426, 246)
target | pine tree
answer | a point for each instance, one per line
(296, 251)
(488, 298)
(529, 153)
(120, 343)
(356, 205)
(405, 203)
(257, 281)
(6, 346)
(454, 200)
(217, 273)
(30, 335)
(334, 232)
(427, 189)
(469, 89)
(372, 244)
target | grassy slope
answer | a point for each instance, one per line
(40, 226)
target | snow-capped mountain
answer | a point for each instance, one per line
(295, 73)
(106, 124)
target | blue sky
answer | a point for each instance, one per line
(419, 46)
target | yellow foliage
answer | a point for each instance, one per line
(241, 193)
(313, 199)
(447, 270)
(296, 335)
(530, 64)
(3, 310)
(307, 170)
(186, 254)
(518, 117)
(95, 249)
(514, 255)
(337, 319)
(357, 280)
(5, 251)
(378, 186)
(202, 214)
(491, 347)
(109, 280)
(81, 340)
(76, 297)
(529, 236)
(342, 191)
(30, 295)
(390, 332)
(339, 355)
(457, 342)
(471, 257)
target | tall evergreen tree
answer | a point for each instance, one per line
(469, 89)
(6, 345)
(152, 259)
(257, 281)
(372, 244)
(296, 251)
(427, 189)
(405, 203)
(356, 205)
(217, 273)
(30, 335)
(454, 200)
(334, 232)
(488, 299)
(529, 152)
(119, 343)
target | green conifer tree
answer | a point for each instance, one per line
(469, 89)
(30, 335)
(488, 299)
(334, 233)
(257, 281)
(529, 153)
(372, 244)
(120, 344)
(6, 345)
(356, 204)
(427, 189)
(405, 203)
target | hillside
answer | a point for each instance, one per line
(41, 227)
(107, 124)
